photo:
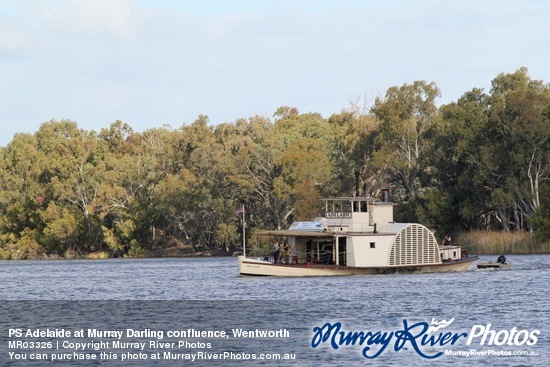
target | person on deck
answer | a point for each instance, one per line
(281, 252)
(275, 251)
(286, 248)
(447, 241)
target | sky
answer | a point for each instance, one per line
(151, 63)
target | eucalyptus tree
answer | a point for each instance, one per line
(353, 142)
(200, 153)
(406, 115)
(250, 168)
(52, 183)
(244, 172)
(305, 167)
(302, 164)
(461, 162)
(541, 218)
(72, 174)
(520, 106)
(21, 196)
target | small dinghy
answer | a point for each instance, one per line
(500, 264)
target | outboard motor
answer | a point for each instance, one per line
(501, 259)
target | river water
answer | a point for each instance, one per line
(512, 306)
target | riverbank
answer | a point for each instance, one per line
(476, 242)
(493, 243)
(180, 250)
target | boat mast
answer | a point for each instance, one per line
(244, 235)
(240, 210)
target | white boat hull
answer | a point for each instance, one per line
(248, 266)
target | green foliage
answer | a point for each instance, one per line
(541, 219)
(227, 235)
(136, 250)
(308, 201)
(480, 163)
(407, 116)
(436, 210)
(26, 246)
(60, 227)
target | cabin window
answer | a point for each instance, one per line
(373, 245)
(454, 253)
(346, 207)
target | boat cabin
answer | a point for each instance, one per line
(361, 232)
(449, 253)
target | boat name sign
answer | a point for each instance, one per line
(338, 215)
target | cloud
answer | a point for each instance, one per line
(89, 18)
(13, 35)
(151, 62)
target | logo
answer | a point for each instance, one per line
(439, 325)
(419, 337)
(513, 337)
